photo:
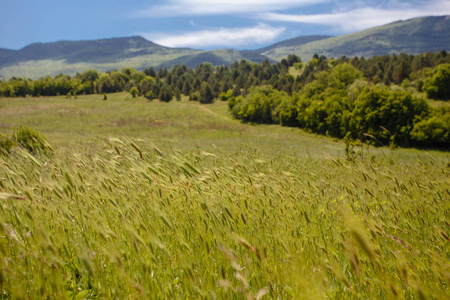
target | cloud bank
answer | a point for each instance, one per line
(220, 7)
(363, 18)
(218, 37)
(279, 18)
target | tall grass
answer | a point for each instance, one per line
(202, 207)
(130, 220)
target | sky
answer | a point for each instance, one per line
(200, 24)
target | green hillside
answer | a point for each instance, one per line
(217, 58)
(68, 57)
(298, 41)
(428, 34)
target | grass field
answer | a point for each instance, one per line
(150, 200)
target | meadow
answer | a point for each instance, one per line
(151, 200)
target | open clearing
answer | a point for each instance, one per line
(150, 200)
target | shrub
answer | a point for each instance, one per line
(433, 131)
(149, 95)
(134, 91)
(437, 86)
(6, 144)
(31, 140)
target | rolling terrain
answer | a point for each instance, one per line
(428, 34)
(153, 200)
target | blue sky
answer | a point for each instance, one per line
(201, 24)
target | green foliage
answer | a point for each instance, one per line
(147, 84)
(437, 86)
(177, 201)
(258, 105)
(165, 94)
(177, 94)
(344, 75)
(6, 144)
(134, 91)
(31, 140)
(206, 94)
(386, 115)
(339, 103)
(149, 95)
(106, 222)
(194, 96)
(433, 130)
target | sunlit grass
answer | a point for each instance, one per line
(201, 206)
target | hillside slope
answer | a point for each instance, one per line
(218, 58)
(295, 42)
(427, 34)
(68, 57)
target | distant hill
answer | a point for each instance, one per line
(218, 58)
(5, 53)
(295, 42)
(85, 51)
(68, 57)
(427, 34)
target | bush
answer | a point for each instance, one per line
(437, 86)
(194, 96)
(6, 144)
(31, 140)
(149, 95)
(134, 91)
(165, 94)
(206, 94)
(433, 131)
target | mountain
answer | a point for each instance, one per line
(69, 57)
(427, 34)
(218, 58)
(295, 42)
(85, 51)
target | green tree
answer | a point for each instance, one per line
(386, 115)
(105, 84)
(437, 86)
(433, 131)
(165, 94)
(206, 94)
(134, 91)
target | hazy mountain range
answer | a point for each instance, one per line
(428, 34)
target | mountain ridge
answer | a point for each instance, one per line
(412, 36)
(426, 34)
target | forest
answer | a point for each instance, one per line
(376, 100)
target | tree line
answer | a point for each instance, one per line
(344, 98)
(206, 83)
(340, 102)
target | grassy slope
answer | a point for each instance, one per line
(229, 210)
(48, 67)
(411, 36)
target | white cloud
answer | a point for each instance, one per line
(363, 18)
(221, 7)
(218, 37)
